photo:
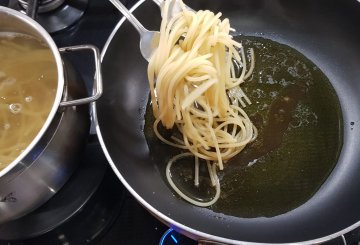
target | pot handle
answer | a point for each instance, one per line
(97, 85)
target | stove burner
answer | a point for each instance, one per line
(54, 15)
(171, 237)
(44, 5)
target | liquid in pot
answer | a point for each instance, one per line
(28, 83)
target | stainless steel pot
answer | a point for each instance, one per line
(46, 164)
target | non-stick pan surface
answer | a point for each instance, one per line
(325, 31)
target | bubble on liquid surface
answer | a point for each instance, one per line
(7, 126)
(15, 108)
(28, 98)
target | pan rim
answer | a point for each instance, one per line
(164, 218)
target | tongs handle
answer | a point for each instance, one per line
(133, 20)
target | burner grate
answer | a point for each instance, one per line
(43, 5)
(53, 15)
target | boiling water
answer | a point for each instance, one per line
(28, 83)
(298, 115)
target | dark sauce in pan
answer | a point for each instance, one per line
(298, 115)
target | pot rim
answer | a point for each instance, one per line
(60, 82)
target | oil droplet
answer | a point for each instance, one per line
(273, 94)
(15, 108)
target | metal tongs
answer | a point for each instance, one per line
(149, 40)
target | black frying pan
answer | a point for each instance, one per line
(325, 31)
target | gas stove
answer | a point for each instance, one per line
(93, 207)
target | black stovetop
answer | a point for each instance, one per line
(110, 215)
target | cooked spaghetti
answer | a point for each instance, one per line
(195, 76)
(28, 80)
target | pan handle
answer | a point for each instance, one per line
(97, 85)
